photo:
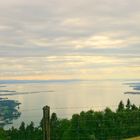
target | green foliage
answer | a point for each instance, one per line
(120, 106)
(128, 105)
(3, 135)
(90, 125)
(29, 132)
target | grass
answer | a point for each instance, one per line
(136, 138)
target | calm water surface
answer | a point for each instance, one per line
(67, 97)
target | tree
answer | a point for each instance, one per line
(3, 135)
(134, 107)
(120, 107)
(54, 127)
(22, 127)
(22, 134)
(128, 105)
(90, 125)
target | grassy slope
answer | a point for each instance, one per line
(136, 138)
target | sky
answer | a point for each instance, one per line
(69, 39)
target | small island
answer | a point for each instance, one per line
(8, 111)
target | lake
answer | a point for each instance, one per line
(66, 97)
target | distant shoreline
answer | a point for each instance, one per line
(35, 81)
(2, 82)
(134, 93)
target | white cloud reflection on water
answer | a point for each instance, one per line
(70, 97)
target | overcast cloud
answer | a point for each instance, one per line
(67, 39)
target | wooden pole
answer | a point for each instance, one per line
(46, 123)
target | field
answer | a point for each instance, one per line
(136, 138)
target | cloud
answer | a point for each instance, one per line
(93, 37)
(69, 67)
(75, 23)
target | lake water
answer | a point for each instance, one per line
(66, 97)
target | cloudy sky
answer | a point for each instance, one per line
(69, 39)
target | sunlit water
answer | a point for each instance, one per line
(67, 97)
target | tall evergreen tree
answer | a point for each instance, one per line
(120, 107)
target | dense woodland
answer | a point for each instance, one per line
(90, 125)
